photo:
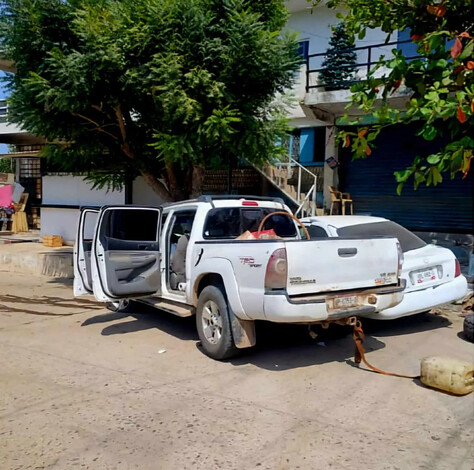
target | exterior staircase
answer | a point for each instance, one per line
(297, 183)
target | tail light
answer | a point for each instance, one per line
(277, 270)
(401, 258)
(457, 269)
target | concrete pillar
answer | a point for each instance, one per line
(331, 176)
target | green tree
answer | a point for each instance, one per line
(6, 165)
(161, 88)
(440, 83)
(339, 62)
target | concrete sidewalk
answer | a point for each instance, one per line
(34, 258)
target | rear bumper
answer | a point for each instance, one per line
(423, 300)
(280, 308)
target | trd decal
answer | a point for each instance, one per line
(249, 261)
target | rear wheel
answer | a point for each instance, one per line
(213, 324)
(469, 327)
(122, 305)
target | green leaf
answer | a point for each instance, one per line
(434, 159)
(467, 52)
(434, 176)
(429, 132)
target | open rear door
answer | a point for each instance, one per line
(125, 253)
(83, 250)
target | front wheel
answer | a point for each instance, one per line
(213, 324)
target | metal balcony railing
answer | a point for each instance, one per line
(3, 111)
(367, 58)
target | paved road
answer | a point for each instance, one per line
(84, 388)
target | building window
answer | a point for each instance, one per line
(319, 145)
(295, 144)
(303, 49)
(30, 168)
(409, 49)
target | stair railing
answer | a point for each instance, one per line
(312, 192)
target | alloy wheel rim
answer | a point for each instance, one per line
(212, 322)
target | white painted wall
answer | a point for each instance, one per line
(314, 25)
(143, 194)
(60, 222)
(74, 191)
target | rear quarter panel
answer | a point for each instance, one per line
(247, 261)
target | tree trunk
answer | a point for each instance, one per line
(177, 193)
(197, 180)
(157, 186)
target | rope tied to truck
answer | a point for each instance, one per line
(359, 355)
(450, 375)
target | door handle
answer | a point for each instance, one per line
(346, 252)
(143, 247)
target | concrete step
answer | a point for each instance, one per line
(34, 258)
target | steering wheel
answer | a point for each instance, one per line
(291, 216)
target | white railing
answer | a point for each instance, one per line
(3, 110)
(310, 197)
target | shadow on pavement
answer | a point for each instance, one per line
(279, 346)
(145, 317)
(462, 336)
(45, 301)
(105, 318)
(405, 325)
(64, 281)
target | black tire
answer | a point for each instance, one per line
(120, 306)
(469, 327)
(216, 336)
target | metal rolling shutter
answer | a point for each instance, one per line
(447, 207)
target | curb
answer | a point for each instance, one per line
(51, 264)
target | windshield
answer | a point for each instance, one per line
(408, 240)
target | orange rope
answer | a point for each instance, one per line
(359, 355)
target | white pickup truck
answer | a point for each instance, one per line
(184, 258)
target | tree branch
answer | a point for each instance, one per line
(98, 128)
(157, 186)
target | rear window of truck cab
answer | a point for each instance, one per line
(230, 222)
(408, 240)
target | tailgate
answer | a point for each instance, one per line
(336, 264)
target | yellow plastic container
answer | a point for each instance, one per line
(448, 374)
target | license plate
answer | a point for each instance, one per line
(344, 302)
(424, 275)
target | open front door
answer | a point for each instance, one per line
(83, 250)
(126, 254)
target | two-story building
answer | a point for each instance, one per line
(446, 210)
(444, 213)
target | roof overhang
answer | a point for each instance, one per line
(30, 154)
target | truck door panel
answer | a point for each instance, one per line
(83, 250)
(126, 251)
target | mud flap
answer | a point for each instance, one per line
(243, 331)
